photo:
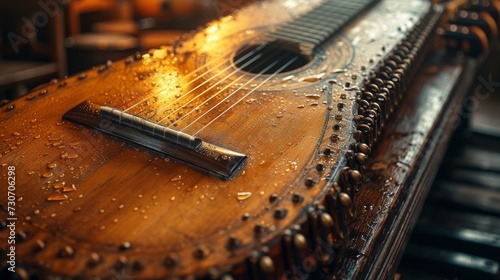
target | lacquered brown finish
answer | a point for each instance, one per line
(91, 205)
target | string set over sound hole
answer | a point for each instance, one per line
(271, 58)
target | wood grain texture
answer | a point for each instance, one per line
(100, 206)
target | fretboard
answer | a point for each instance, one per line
(315, 27)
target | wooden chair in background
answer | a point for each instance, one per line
(76, 8)
(112, 39)
(25, 60)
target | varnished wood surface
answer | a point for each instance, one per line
(91, 205)
(401, 170)
(459, 227)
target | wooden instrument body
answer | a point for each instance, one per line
(164, 209)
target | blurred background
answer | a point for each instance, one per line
(46, 39)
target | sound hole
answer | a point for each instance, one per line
(271, 58)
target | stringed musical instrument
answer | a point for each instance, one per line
(235, 152)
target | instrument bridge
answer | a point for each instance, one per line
(178, 145)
